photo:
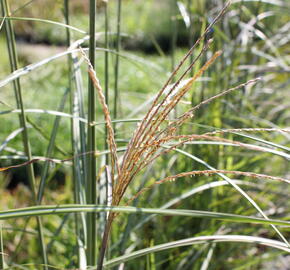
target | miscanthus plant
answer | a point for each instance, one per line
(158, 134)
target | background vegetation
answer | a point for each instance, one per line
(137, 60)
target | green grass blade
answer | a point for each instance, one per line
(80, 127)
(11, 44)
(198, 240)
(191, 192)
(247, 146)
(43, 133)
(251, 137)
(22, 6)
(2, 254)
(206, 262)
(88, 208)
(241, 191)
(263, 141)
(270, 2)
(130, 57)
(78, 143)
(10, 137)
(91, 146)
(117, 63)
(49, 150)
(44, 21)
(104, 182)
(49, 112)
(58, 231)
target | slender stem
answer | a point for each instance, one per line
(174, 33)
(67, 22)
(118, 47)
(106, 69)
(190, 34)
(173, 41)
(105, 241)
(115, 113)
(104, 188)
(44, 135)
(91, 181)
(2, 260)
(49, 151)
(76, 189)
(11, 44)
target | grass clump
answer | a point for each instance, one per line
(111, 164)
